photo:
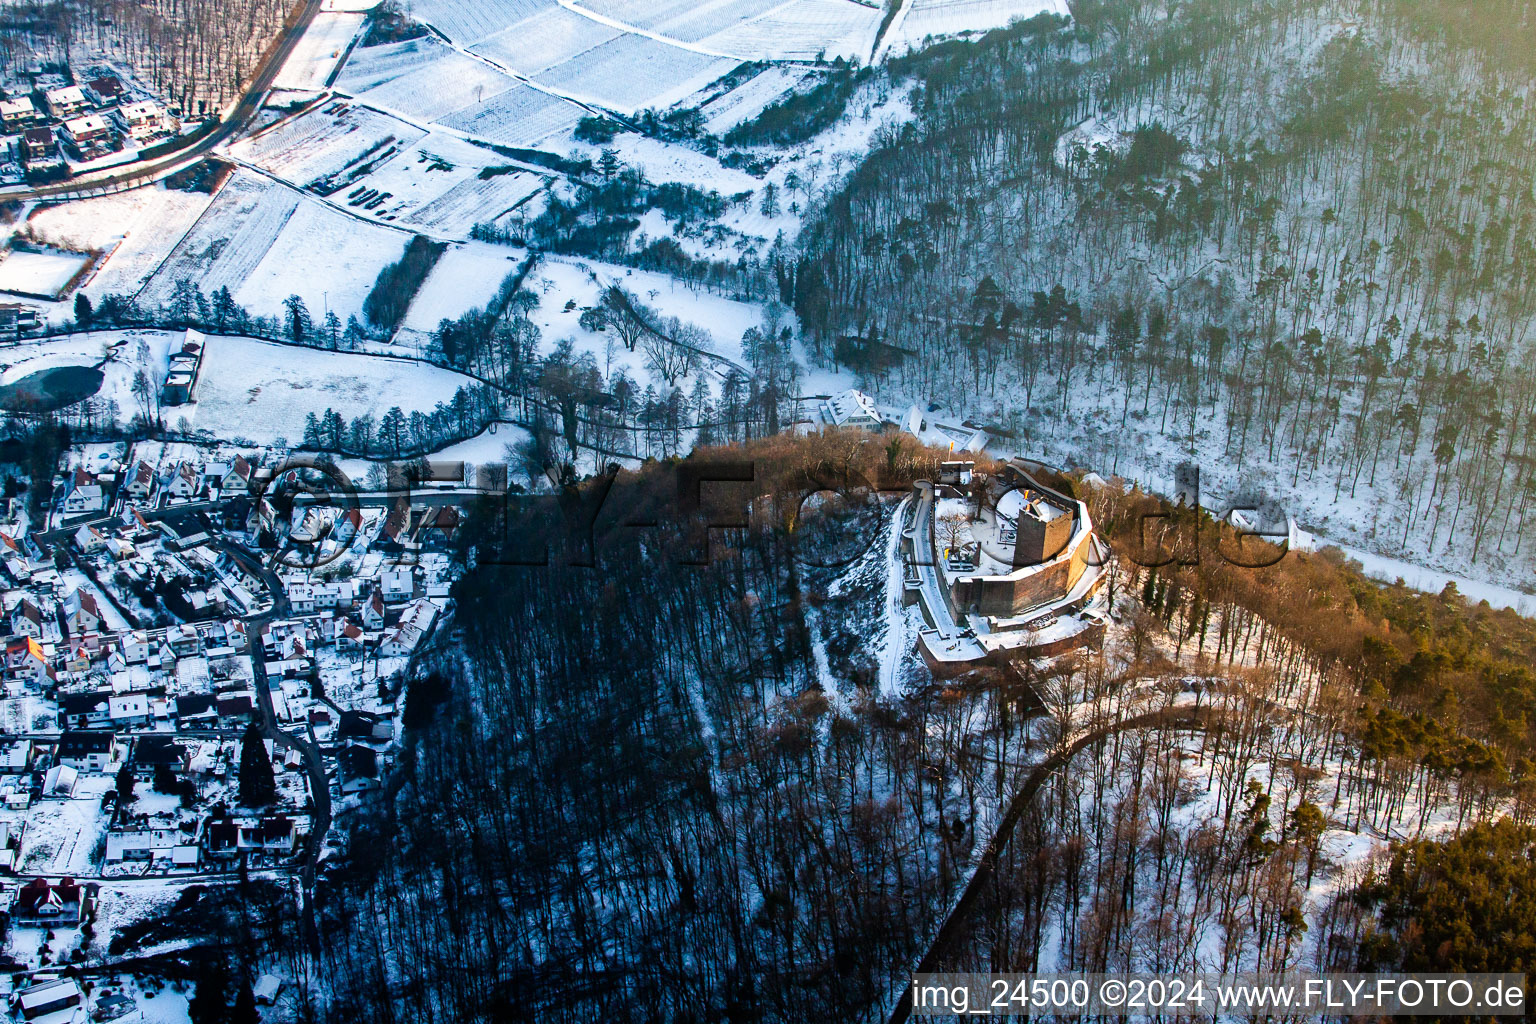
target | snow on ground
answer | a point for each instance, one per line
(920, 19)
(466, 23)
(684, 20)
(329, 259)
(750, 98)
(228, 240)
(802, 30)
(44, 274)
(266, 241)
(633, 72)
(548, 38)
(441, 185)
(423, 79)
(557, 280)
(466, 276)
(489, 447)
(324, 44)
(326, 142)
(60, 836)
(139, 227)
(1430, 581)
(88, 349)
(263, 391)
(521, 116)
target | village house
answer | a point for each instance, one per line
(851, 409)
(26, 663)
(81, 613)
(152, 844)
(141, 481)
(103, 91)
(37, 144)
(50, 1000)
(126, 710)
(142, 120)
(88, 134)
(90, 540)
(82, 493)
(359, 769)
(65, 102)
(17, 113)
(153, 752)
(87, 750)
(86, 710)
(46, 904)
(27, 619)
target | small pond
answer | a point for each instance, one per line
(53, 388)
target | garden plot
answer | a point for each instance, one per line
(544, 40)
(467, 23)
(328, 147)
(44, 275)
(750, 98)
(925, 18)
(683, 20)
(632, 72)
(262, 391)
(437, 185)
(228, 241)
(521, 116)
(137, 228)
(325, 257)
(802, 30)
(322, 47)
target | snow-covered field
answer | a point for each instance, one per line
(802, 30)
(262, 391)
(467, 23)
(545, 40)
(680, 19)
(920, 19)
(436, 185)
(750, 98)
(521, 116)
(43, 274)
(143, 225)
(421, 79)
(632, 72)
(266, 241)
(466, 276)
(333, 141)
(324, 256)
(321, 49)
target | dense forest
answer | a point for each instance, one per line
(198, 53)
(1293, 240)
(737, 820)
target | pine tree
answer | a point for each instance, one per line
(299, 323)
(125, 784)
(209, 1003)
(83, 310)
(258, 784)
(245, 1011)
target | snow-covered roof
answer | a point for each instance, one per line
(851, 407)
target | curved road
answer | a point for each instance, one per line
(309, 750)
(141, 173)
(1187, 717)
